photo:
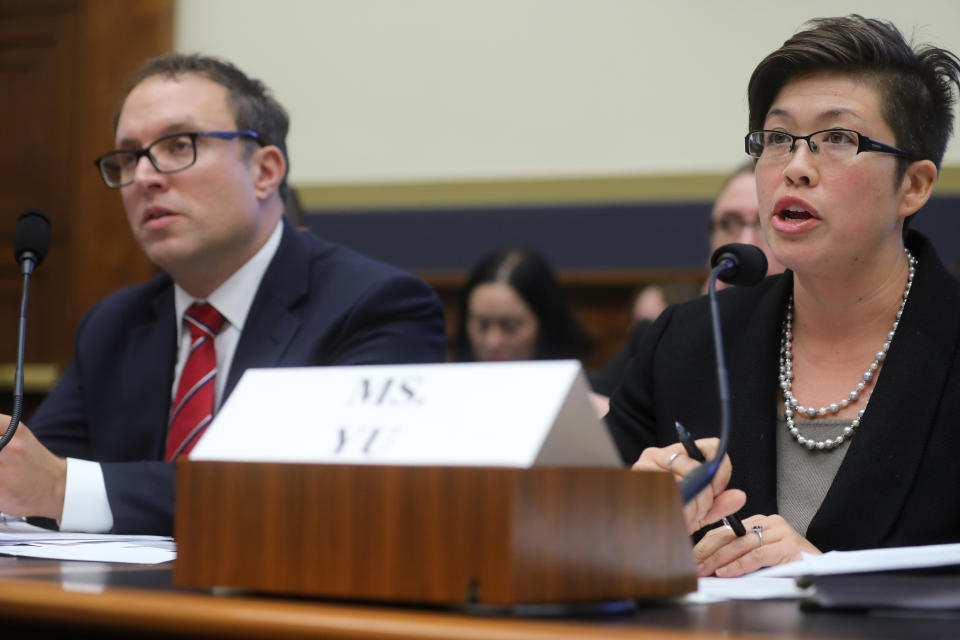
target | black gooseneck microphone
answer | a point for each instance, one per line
(31, 239)
(740, 264)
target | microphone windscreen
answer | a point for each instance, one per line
(749, 263)
(31, 235)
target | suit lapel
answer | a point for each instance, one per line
(272, 324)
(151, 351)
(874, 480)
(752, 361)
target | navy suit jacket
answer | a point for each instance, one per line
(318, 304)
(897, 484)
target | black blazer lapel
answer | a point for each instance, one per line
(272, 322)
(870, 489)
(752, 364)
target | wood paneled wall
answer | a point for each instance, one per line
(63, 67)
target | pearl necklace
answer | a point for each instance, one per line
(792, 407)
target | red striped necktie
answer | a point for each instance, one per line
(193, 405)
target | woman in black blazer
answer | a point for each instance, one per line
(845, 370)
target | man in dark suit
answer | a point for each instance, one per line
(201, 167)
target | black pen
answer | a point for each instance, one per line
(694, 452)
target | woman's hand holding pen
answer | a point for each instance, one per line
(715, 501)
(770, 540)
(721, 552)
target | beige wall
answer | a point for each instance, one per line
(424, 90)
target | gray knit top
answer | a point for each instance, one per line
(804, 476)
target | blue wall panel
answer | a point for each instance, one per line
(573, 237)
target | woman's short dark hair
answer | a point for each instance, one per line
(530, 275)
(255, 109)
(915, 85)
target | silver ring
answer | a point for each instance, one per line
(758, 529)
(672, 457)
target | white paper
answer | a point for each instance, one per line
(514, 414)
(18, 538)
(747, 587)
(868, 560)
(95, 552)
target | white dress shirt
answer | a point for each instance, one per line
(85, 504)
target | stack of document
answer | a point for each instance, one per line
(900, 589)
(18, 538)
(926, 577)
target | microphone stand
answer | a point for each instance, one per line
(695, 481)
(15, 414)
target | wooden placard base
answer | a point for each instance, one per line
(437, 535)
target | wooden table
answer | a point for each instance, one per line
(99, 600)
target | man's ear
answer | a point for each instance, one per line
(269, 167)
(916, 186)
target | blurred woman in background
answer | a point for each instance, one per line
(513, 309)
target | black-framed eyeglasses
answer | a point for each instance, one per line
(839, 144)
(168, 154)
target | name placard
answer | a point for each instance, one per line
(516, 414)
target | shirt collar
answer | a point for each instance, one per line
(234, 297)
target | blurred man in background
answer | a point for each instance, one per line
(735, 217)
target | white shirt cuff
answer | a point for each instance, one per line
(85, 504)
